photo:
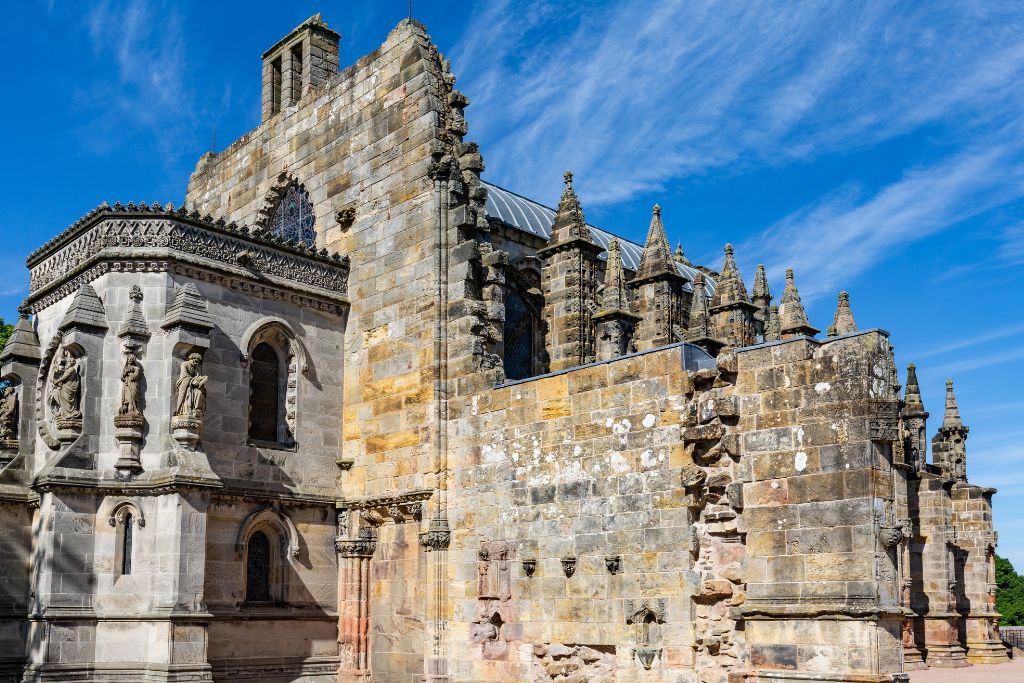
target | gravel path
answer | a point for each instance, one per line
(1012, 672)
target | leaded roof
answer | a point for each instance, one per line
(532, 217)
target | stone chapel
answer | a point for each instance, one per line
(351, 413)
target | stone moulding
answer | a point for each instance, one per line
(275, 517)
(111, 241)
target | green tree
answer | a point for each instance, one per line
(1009, 593)
(5, 332)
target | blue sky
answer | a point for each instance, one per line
(873, 147)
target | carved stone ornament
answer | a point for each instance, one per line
(131, 395)
(568, 566)
(190, 389)
(8, 415)
(646, 656)
(83, 252)
(363, 547)
(529, 567)
(438, 535)
(891, 536)
(65, 393)
(613, 563)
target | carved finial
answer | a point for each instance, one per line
(761, 293)
(792, 316)
(569, 223)
(135, 294)
(730, 288)
(656, 260)
(951, 417)
(842, 322)
(679, 256)
(913, 404)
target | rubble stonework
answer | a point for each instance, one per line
(351, 413)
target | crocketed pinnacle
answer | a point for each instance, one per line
(700, 321)
(761, 294)
(913, 404)
(951, 416)
(570, 223)
(772, 331)
(730, 289)
(23, 343)
(614, 296)
(842, 322)
(657, 257)
(680, 257)
(792, 316)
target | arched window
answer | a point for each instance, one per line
(294, 218)
(127, 538)
(125, 518)
(257, 568)
(264, 393)
(520, 336)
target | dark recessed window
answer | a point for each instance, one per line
(520, 330)
(257, 576)
(264, 393)
(126, 544)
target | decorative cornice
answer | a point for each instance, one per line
(148, 242)
(414, 496)
(362, 547)
(181, 215)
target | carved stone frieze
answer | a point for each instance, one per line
(107, 242)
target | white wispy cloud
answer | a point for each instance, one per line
(143, 97)
(851, 230)
(636, 95)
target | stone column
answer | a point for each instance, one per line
(435, 542)
(354, 604)
(936, 602)
(975, 573)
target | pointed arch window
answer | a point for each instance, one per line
(294, 218)
(520, 331)
(127, 540)
(257, 565)
(265, 379)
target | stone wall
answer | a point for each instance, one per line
(570, 520)
(817, 422)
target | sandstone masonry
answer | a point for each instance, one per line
(354, 414)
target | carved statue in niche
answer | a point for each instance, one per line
(65, 395)
(190, 389)
(130, 377)
(9, 414)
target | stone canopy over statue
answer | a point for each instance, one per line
(190, 389)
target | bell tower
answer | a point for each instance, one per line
(306, 56)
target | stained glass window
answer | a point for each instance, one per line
(257, 585)
(294, 219)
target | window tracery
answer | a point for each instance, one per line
(293, 217)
